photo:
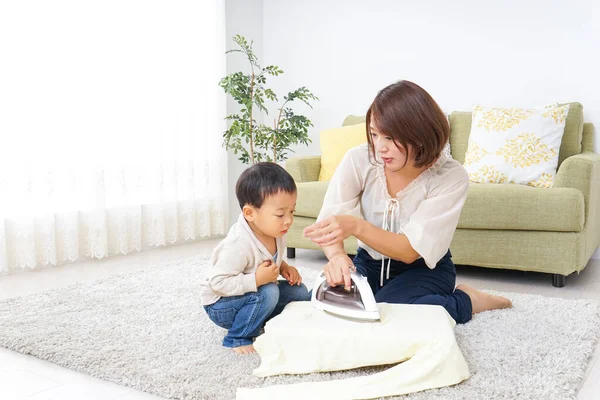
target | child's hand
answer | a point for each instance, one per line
(291, 274)
(266, 272)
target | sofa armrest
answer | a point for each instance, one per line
(304, 169)
(582, 172)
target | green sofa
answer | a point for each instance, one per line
(553, 231)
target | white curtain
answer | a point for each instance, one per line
(110, 128)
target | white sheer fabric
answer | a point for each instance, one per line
(110, 121)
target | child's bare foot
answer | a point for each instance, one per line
(482, 301)
(249, 349)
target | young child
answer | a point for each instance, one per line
(242, 291)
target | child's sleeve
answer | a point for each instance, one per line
(345, 187)
(227, 276)
(432, 226)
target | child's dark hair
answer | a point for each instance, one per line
(260, 181)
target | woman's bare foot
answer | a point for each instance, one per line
(482, 301)
(249, 349)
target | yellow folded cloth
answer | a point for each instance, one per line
(303, 340)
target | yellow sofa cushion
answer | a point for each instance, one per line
(335, 143)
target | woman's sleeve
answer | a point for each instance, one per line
(345, 187)
(432, 226)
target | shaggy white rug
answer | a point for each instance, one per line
(146, 330)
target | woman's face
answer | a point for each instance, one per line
(393, 155)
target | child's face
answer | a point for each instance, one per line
(275, 216)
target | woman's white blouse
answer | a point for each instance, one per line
(426, 211)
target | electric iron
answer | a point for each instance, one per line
(357, 303)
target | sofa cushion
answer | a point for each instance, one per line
(519, 207)
(515, 145)
(460, 129)
(334, 145)
(310, 198)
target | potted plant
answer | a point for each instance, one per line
(256, 142)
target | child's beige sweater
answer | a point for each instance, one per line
(234, 262)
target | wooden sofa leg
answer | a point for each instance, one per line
(558, 280)
(291, 252)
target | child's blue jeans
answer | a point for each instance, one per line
(243, 316)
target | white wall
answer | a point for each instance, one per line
(243, 17)
(509, 53)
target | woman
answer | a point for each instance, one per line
(401, 196)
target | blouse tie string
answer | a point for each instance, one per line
(390, 222)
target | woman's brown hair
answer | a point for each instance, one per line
(405, 112)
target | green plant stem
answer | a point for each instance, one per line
(251, 109)
(275, 139)
(275, 130)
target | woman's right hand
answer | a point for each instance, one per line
(337, 271)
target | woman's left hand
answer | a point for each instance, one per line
(332, 230)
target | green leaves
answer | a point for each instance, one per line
(273, 70)
(270, 95)
(258, 142)
(302, 94)
(244, 48)
(237, 85)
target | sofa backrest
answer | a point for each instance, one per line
(587, 142)
(460, 129)
(353, 120)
